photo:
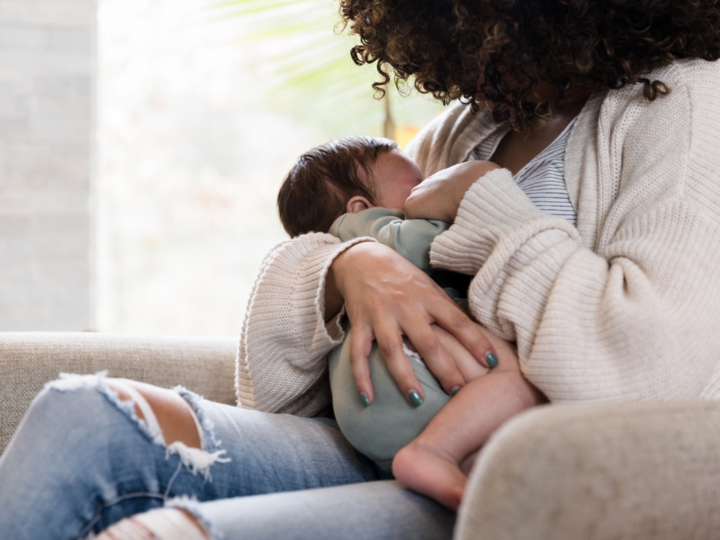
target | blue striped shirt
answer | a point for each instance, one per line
(543, 178)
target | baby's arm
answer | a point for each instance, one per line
(435, 463)
(409, 238)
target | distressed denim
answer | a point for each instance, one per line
(81, 460)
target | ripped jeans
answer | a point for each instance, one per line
(81, 461)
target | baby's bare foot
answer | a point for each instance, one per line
(423, 467)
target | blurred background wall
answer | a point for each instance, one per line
(46, 131)
(149, 208)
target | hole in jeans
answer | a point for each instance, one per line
(196, 458)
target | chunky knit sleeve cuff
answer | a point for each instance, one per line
(280, 364)
(494, 215)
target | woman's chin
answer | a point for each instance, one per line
(480, 96)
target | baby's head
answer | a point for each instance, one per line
(342, 176)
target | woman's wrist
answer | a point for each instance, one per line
(334, 290)
(333, 298)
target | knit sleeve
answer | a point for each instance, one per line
(281, 359)
(634, 317)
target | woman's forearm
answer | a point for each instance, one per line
(593, 326)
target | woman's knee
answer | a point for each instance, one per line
(94, 409)
(171, 419)
(162, 410)
(69, 405)
(162, 414)
(113, 462)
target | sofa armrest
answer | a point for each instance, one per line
(30, 359)
(599, 472)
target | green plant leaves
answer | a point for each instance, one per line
(306, 70)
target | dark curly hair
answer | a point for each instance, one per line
(317, 188)
(519, 45)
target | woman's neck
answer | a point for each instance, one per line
(559, 117)
(516, 149)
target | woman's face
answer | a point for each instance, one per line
(545, 91)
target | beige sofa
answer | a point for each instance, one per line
(573, 472)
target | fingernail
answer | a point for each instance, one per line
(491, 359)
(455, 390)
(364, 399)
(415, 398)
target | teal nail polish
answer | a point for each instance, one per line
(415, 398)
(491, 359)
(364, 400)
(455, 390)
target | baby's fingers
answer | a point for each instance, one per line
(469, 333)
(438, 360)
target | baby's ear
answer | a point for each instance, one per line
(357, 204)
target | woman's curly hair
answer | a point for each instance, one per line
(520, 44)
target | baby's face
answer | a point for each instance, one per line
(393, 177)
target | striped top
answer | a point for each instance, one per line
(543, 178)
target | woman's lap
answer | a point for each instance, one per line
(79, 462)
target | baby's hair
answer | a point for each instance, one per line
(317, 188)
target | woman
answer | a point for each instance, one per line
(623, 307)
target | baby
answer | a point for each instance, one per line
(355, 187)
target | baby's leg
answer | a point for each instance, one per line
(431, 463)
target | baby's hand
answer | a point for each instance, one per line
(464, 360)
(466, 363)
(439, 196)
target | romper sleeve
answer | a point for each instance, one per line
(280, 366)
(410, 238)
(636, 316)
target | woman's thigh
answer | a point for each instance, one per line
(271, 453)
(81, 460)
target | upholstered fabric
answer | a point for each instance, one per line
(30, 359)
(599, 472)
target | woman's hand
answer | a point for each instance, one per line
(386, 298)
(439, 196)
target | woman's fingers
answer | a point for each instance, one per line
(470, 334)
(361, 342)
(387, 297)
(434, 354)
(390, 345)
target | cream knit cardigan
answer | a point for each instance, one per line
(625, 307)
